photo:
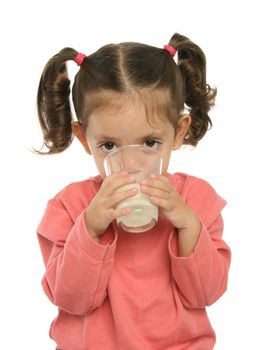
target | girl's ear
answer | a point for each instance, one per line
(182, 129)
(80, 135)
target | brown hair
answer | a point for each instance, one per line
(125, 69)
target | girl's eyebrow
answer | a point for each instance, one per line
(156, 135)
(105, 138)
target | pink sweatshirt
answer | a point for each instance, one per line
(132, 291)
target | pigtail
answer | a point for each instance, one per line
(53, 104)
(199, 96)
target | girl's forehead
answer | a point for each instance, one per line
(129, 126)
(130, 117)
(149, 107)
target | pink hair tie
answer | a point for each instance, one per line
(170, 49)
(79, 59)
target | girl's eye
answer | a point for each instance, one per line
(110, 146)
(107, 147)
(152, 143)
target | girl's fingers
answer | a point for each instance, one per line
(114, 214)
(115, 181)
(159, 182)
(119, 196)
(122, 212)
(162, 203)
(151, 191)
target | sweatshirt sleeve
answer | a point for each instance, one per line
(77, 267)
(202, 277)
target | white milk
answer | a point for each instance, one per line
(144, 214)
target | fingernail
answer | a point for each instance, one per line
(127, 210)
(131, 179)
(152, 176)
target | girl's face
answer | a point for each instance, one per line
(109, 129)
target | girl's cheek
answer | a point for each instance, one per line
(99, 162)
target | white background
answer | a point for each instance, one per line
(31, 32)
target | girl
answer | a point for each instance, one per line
(117, 290)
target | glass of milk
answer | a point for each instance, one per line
(140, 162)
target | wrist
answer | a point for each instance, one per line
(94, 235)
(188, 237)
(193, 224)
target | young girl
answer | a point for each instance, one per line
(117, 290)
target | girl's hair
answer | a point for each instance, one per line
(125, 70)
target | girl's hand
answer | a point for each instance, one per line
(173, 207)
(101, 212)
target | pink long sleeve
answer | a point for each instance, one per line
(132, 291)
(77, 268)
(202, 277)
